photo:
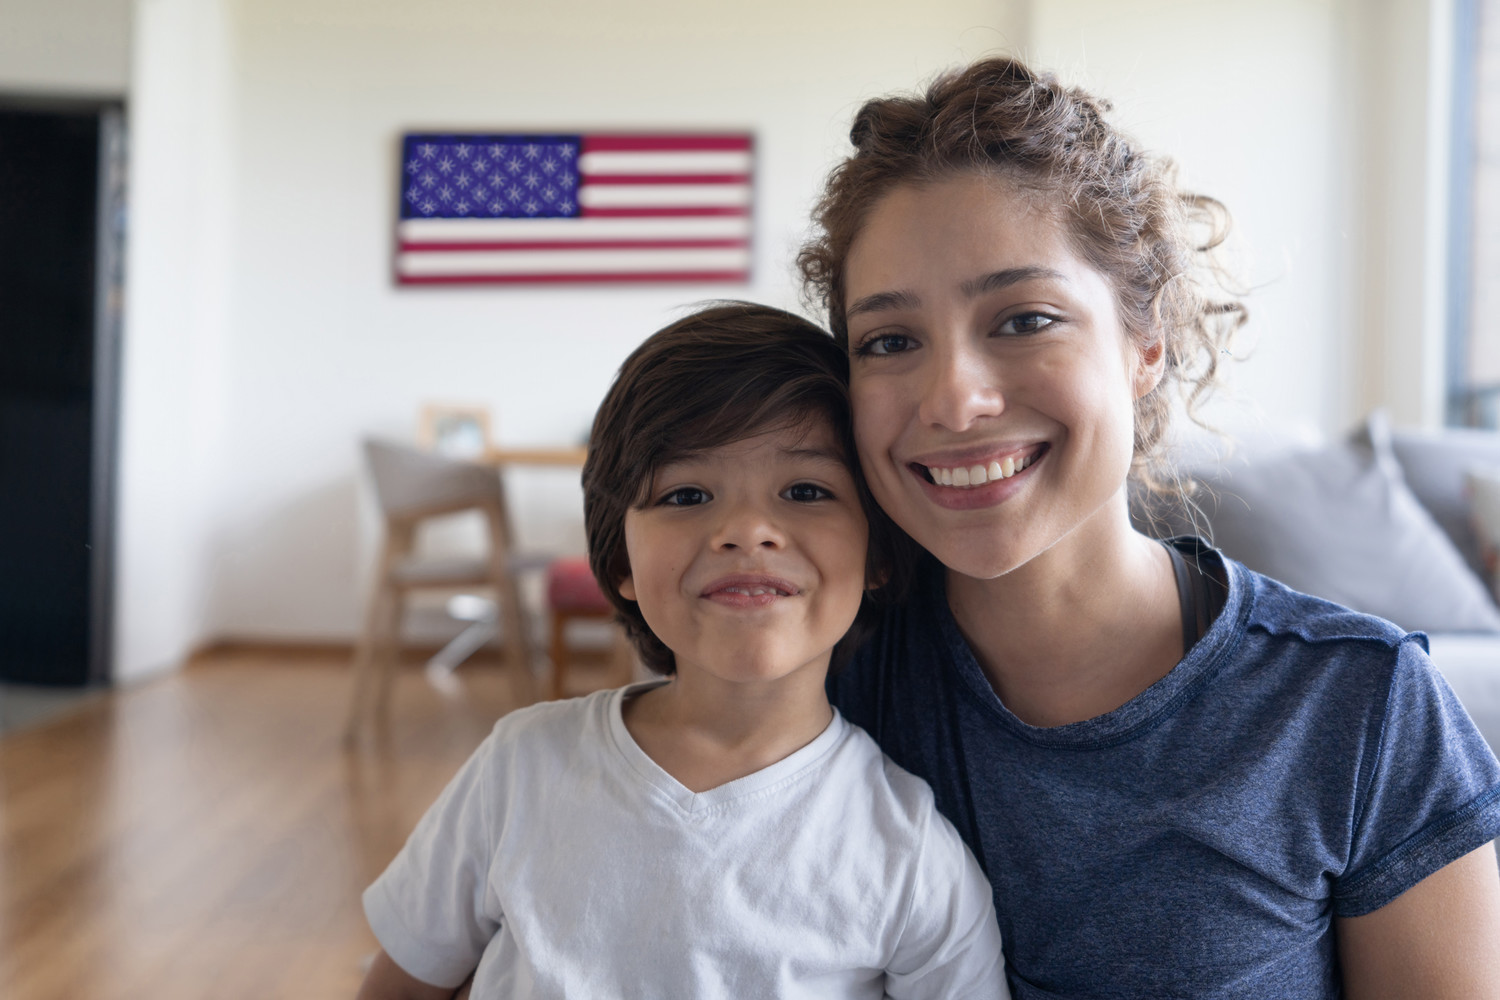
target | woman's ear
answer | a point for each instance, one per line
(1150, 364)
(626, 587)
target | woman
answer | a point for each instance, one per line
(1182, 778)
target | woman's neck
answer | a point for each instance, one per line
(1081, 628)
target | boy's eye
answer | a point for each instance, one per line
(806, 493)
(883, 344)
(685, 496)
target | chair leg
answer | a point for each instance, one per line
(559, 653)
(366, 653)
(512, 615)
(513, 620)
(388, 657)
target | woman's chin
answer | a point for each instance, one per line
(982, 558)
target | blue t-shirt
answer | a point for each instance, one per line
(1302, 762)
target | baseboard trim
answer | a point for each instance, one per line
(416, 652)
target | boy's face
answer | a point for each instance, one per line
(748, 560)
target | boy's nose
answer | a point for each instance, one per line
(748, 526)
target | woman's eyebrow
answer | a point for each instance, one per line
(995, 280)
(882, 301)
(973, 288)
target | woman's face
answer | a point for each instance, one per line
(993, 385)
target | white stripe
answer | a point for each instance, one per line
(490, 230)
(501, 262)
(663, 195)
(665, 163)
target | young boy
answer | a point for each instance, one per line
(721, 832)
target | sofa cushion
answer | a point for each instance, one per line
(1484, 494)
(1434, 464)
(1338, 522)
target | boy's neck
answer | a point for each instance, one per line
(706, 732)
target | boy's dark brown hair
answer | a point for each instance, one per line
(725, 373)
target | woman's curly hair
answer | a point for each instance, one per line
(1126, 216)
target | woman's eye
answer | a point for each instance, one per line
(1025, 323)
(806, 493)
(886, 343)
(684, 496)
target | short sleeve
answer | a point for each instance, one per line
(1429, 789)
(433, 909)
(950, 945)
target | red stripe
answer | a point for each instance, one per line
(643, 143)
(646, 213)
(539, 279)
(665, 178)
(580, 245)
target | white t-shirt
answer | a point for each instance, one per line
(564, 862)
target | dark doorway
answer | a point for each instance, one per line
(61, 221)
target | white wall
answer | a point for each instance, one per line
(176, 317)
(1322, 125)
(265, 336)
(284, 341)
(71, 47)
(1402, 73)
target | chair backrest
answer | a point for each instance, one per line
(412, 482)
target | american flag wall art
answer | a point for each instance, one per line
(543, 209)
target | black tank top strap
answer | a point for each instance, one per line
(1200, 594)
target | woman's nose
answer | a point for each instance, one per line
(959, 390)
(747, 525)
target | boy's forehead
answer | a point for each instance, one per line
(809, 435)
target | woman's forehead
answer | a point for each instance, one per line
(992, 212)
(968, 233)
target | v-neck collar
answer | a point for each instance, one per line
(700, 804)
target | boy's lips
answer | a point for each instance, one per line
(749, 590)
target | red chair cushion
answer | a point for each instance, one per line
(571, 587)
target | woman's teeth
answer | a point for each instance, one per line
(978, 475)
(755, 591)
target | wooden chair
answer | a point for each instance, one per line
(411, 486)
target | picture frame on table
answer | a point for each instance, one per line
(455, 431)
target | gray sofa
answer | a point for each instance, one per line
(1378, 521)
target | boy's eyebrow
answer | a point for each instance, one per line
(825, 454)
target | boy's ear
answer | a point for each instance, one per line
(626, 587)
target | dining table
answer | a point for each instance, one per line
(541, 455)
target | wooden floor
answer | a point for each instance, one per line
(207, 835)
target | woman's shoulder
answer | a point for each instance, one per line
(1276, 609)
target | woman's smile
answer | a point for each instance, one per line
(972, 486)
(965, 475)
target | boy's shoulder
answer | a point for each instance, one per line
(899, 802)
(562, 724)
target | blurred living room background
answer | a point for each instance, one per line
(242, 333)
(263, 336)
